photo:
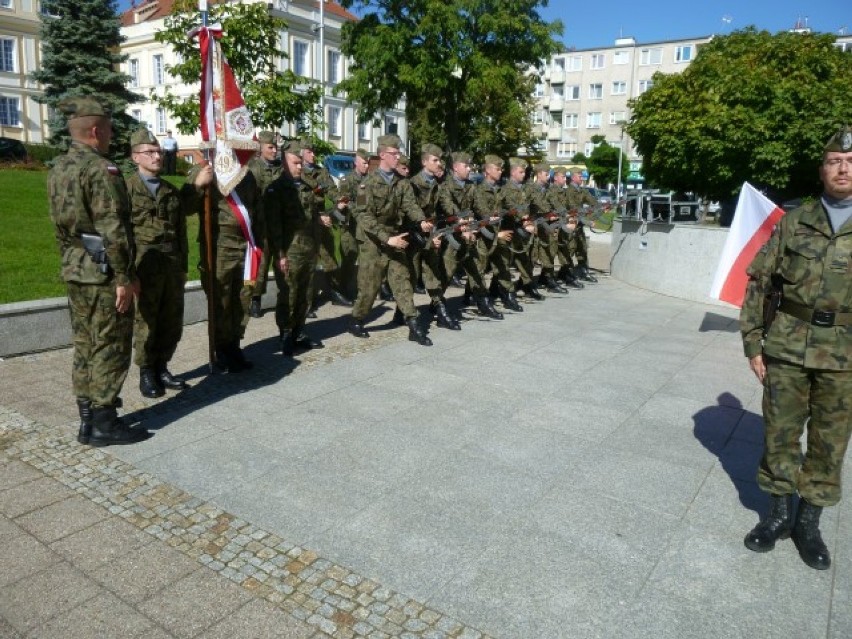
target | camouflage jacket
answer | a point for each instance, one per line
(512, 195)
(159, 223)
(322, 185)
(227, 232)
(537, 196)
(426, 191)
(87, 195)
(350, 186)
(577, 197)
(484, 201)
(387, 208)
(264, 173)
(815, 267)
(292, 212)
(456, 197)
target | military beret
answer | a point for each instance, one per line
(363, 154)
(142, 136)
(560, 170)
(460, 157)
(517, 162)
(80, 106)
(841, 141)
(293, 147)
(496, 160)
(541, 167)
(389, 140)
(266, 137)
(404, 159)
(306, 143)
(432, 149)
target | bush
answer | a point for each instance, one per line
(42, 153)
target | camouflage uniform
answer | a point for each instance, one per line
(457, 200)
(809, 367)
(513, 195)
(87, 195)
(577, 197)
(162, 252)
(292, 211)
(350, 187)
(426, 191)
(265, 173)
(496, 251)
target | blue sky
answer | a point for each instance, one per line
(589, 24)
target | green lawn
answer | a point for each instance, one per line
(29, 259)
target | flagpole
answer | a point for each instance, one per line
(210, 263)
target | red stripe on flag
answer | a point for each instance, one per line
(733, 290)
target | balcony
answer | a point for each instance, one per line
(554, 132)
(556, 103)
(557, 75)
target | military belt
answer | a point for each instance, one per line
(824, 319)
(162, 247)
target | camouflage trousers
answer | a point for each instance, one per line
(434, 273)
(102, 341)
(373, 265)
(159, 309)
(496, 253)
(563, 248)
(580, 247)
(263, 272)
(231, 295)
(294, 291)
(347, 274)
(522, 259)
(468, 257)
(545, 251)
(792, 396)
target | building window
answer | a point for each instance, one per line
(137, 115)
(133, 72)
(619, 87)
(644, 85)
(558, 64)
(572, 93)
(589, 147)
(683, 53)
(557, 91)
(538, 91)
(7, 55)
(391, 125)
(598, 61)
(595, 91)
(6, 4)
(651, 56)
(333, 71)
(300, 58)
(10, 112)
(617, 117)
(159, 70)
(363, 131)
(593, 120)
(160, 127)
(575, 63)
(334, 115)
(566, 149)
(537, 116)
(621, 57)
(571, 121)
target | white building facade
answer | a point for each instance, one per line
(322, 64)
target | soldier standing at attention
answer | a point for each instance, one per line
(348, 190)
(157, 213)
(388, 206)
(578, 197)
(266, 167)
(562, 242)
(804, 357)
(294, 217)
(513, 196)
(537, 191)
(91, 217)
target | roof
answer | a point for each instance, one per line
(156, 9)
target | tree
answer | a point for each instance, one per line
(752, 106)
(78, 57)
(460, 64)
(603, 163)
(250, 44)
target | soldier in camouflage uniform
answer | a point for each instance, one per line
(159, 231)
(293, 218)
(563, 242)
(231, 294)
(431, 255)
(348, 189)
(266, 167)
(326, 194)
(389, 207)
(513, 196)
(495, 249)
(457, 200)
(89, 206)
(577, 198)
(540, 208)
(804, 357)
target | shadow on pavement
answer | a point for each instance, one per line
(720, 323)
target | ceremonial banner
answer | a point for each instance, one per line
(754, 219)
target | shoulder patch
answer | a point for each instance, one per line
(112, 169)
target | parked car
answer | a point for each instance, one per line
(12, 150)
(339, 165)
(601, 195)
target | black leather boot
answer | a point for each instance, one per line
(451, 310)
(255, 309)
(357, 329)
(338, 299)
(808, 539)
(109, 430)
(149, 385)
(552, 285)
(167, 380)
(509, 299)
(417, 334)
(305, 341)
(466, 296)
(486, 308)
(385, 292)
(777, 524)
(288, 348)
(585, 275)
(238, 357)
(84, 406)
(532, 291)
(443, 317)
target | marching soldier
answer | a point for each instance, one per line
(91, 217)
(537, 192)
(562, 242)
(577, 198)
(266, 167)
(513, 197)
(348, 190)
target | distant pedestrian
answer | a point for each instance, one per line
(170, 149)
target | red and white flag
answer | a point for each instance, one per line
(227, 128)
(754, 219)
